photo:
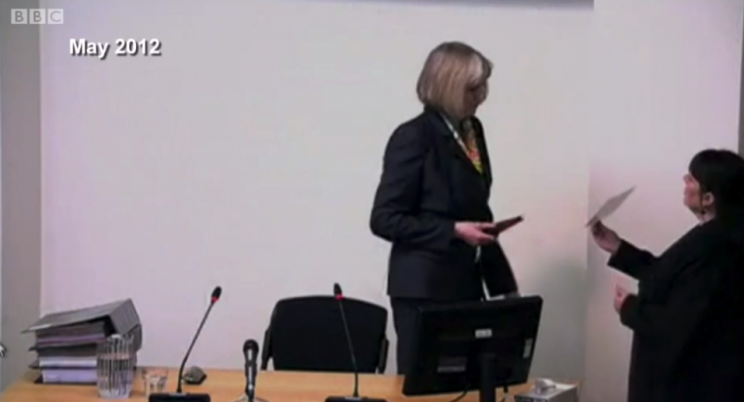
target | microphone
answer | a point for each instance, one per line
(338, 294)
(250, 351)
(179, 396)
(340, 297)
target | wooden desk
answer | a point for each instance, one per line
(228, 386)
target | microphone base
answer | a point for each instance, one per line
(352, 399)
(179, 398)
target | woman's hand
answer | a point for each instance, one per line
(474, 233)
(620, 295)
(605, 237)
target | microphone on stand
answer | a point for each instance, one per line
(250, 351)
(179, 396)
(338, 294)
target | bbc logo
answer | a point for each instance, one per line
(37, 16)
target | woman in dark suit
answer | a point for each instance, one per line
(432, 200)
(688, 316)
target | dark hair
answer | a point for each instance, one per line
(721, 173)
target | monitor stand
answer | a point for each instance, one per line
(487, 373)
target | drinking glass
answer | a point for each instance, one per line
(155, 380)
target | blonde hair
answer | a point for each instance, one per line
(450, 70)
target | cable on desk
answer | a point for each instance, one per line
(244, 398)
(460, 396)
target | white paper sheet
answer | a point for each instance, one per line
(610, 206)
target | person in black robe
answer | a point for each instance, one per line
(688, 315)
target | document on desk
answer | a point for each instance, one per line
(610, 206)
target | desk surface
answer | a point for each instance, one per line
(228, 385)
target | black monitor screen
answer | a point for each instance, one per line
(455, 345)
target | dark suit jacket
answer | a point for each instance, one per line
(427, 184)
(688, 316)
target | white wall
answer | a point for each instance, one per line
(667, 85)
(247, 155)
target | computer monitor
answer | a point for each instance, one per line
(473, 346)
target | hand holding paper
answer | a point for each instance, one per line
(605, 237)
(610, 206)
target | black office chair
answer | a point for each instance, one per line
(307, 334)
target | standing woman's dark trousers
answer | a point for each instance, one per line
(404, 321)
(405, 311)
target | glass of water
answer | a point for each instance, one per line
(115, 367)
(155, 380)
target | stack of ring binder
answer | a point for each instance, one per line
(66, 341)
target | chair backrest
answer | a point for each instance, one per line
(307, 334)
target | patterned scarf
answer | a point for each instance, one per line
(470, 145)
